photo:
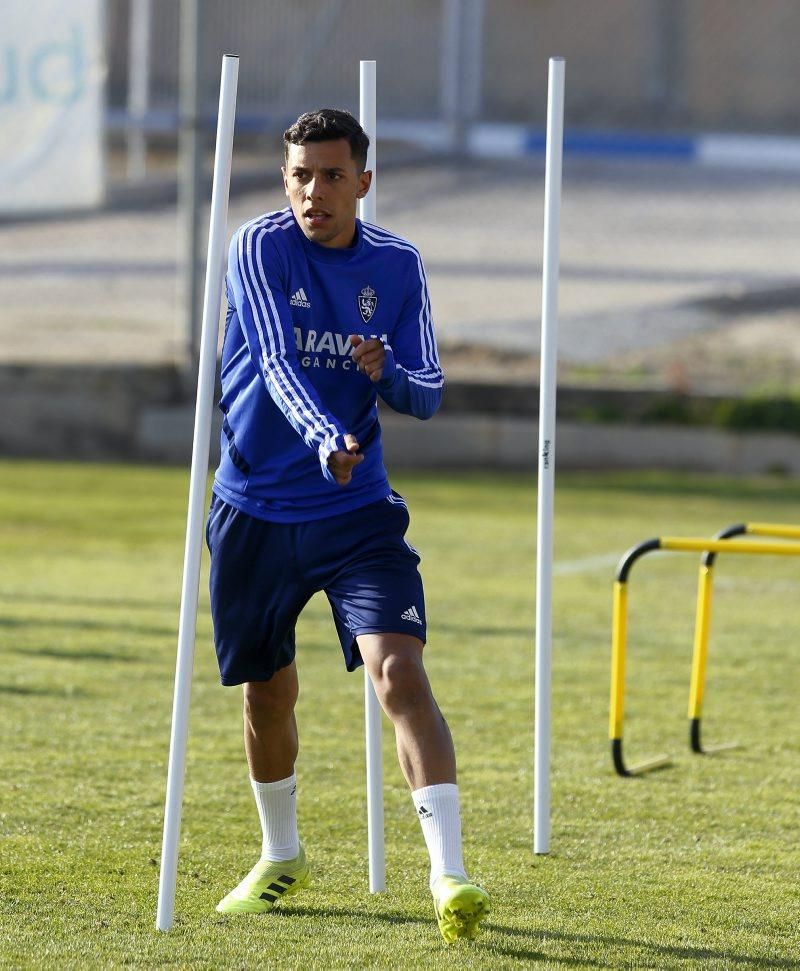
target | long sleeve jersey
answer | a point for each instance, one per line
(290, 388)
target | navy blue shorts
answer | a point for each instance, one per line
(264, 573)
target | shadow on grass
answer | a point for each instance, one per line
(64, 655)
(532, 940)
(39, 692)
(520, 953)
(666, 951)
(112, 603)
(141, 629)
(386, 918)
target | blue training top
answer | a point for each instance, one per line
(290, 389)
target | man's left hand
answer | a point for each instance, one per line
(369, 355)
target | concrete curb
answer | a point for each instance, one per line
(503, 442)
(139, 413)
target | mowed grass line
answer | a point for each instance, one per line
(696, 866)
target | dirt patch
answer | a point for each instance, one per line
(471, 362)
(746, 356)
(757, 354)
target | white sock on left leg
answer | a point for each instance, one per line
(277, 812)
(439, 813)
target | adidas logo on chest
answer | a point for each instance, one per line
(299, 299)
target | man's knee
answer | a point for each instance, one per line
(401, 682)
(272, 700)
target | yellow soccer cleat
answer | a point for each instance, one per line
(460, 907)
(266, 884)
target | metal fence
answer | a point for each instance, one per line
(293, 55)
(646, 64)
(655, 256)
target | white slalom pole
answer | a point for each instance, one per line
(547, 455)
(372, 710)
(217, 244)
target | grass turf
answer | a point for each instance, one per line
(694, 866)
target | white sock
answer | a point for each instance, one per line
(277, 810)
(440, 817)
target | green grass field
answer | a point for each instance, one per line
(695, 866)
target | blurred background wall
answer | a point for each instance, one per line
(681, 205)
(669, 65)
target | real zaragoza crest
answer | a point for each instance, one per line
(367, 302)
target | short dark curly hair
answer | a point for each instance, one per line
(325, 125)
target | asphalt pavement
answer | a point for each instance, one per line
(650, 253)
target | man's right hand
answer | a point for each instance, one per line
(341, 464)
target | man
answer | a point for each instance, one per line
(302, 502)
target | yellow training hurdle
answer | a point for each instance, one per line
(708, 547)
(703, 622)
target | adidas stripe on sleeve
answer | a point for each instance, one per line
(254, 276)
(412, 381)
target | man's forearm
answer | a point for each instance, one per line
(417, 393)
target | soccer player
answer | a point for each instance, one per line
(325, 313)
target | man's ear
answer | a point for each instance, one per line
(285, 181)
(364, 182)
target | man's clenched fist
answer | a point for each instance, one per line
(370, 356)
(341, 464)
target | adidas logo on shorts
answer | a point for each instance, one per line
(411, 614)
(299, 299)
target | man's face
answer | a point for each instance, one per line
(323, 185)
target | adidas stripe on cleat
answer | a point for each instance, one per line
(460, 906)
(266, 884)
